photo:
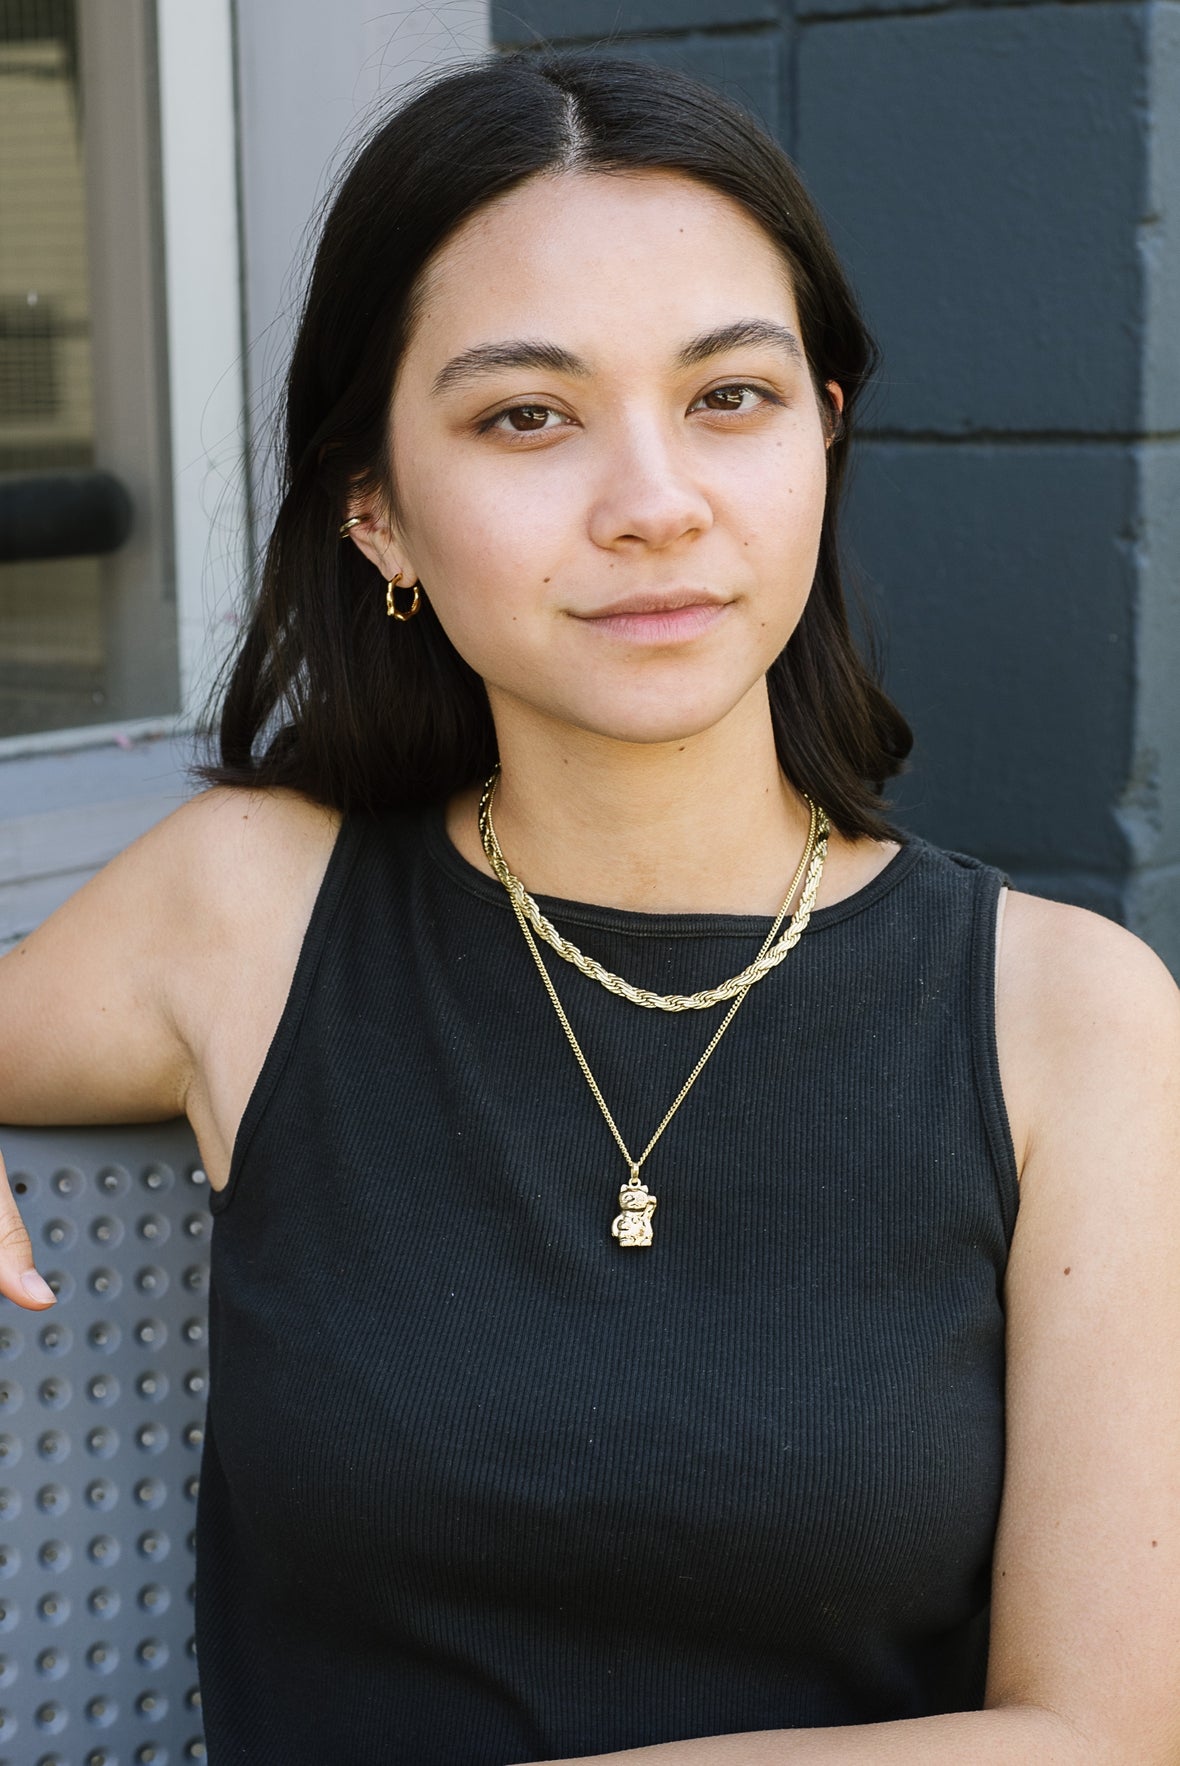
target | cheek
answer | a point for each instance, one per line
(802, 468)
(485, 547)
(478, 565)
(777, 505)
(804, 514)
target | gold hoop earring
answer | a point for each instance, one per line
(391, 607)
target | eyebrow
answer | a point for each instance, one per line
(486, 358)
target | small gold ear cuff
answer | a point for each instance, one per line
(346, 527)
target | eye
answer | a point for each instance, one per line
(731, 398)
(737, 398)
(532, 420)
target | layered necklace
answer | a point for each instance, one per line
(632, 1226)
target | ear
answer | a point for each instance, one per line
(373, 535)
(834, 414)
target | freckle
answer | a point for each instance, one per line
(1065, 1271)
(545, 579)
(1155, 1542)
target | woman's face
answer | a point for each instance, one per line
(609, 454)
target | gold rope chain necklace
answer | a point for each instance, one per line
(768, 958)
(632, 1225)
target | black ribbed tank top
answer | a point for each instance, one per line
(480, 1486)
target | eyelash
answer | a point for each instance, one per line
(493, 422)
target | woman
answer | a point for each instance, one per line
(559, 1409)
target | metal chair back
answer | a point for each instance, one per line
(102, 1403)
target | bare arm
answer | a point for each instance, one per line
(969, 1738)
(86, 1031)
(1084, 1665)
(156, 986)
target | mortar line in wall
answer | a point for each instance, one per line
(1054, 877)
(789, 84)
(1019, 437)
(927, 8)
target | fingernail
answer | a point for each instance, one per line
(36, 1287)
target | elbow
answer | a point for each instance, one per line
(1074, 1739)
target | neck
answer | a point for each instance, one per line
(707, 824)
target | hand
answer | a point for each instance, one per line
(18, 1279)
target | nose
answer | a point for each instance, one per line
(647, 492)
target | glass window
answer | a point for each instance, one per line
(88, 636)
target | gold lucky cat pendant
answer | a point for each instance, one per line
(632, 1227)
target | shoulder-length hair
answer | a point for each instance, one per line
(326, 696)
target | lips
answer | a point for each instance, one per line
(668, 602)
(658, 620)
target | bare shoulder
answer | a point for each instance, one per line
(244, 868)
(1078, 970)
(217, 849)
(109, 1005)
(1079, 1001)
(223, 868)
(252, 864)
(1058, 925)
(1086, 1586)
(191, 874)
(228, 840)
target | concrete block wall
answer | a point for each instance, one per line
(1003, 182)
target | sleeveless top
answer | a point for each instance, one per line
(482, 1486)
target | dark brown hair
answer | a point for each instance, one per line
(325, 694)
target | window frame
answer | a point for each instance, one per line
(163, 204)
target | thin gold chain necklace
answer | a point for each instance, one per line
(767, 959)
(632, 1225)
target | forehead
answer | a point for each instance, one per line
(608, 256)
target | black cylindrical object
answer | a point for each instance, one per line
(74, 514)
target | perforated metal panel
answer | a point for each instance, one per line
(102, 1403)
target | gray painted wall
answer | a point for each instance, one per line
(1003, 182)
(311, 79)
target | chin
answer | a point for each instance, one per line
(653, 726)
